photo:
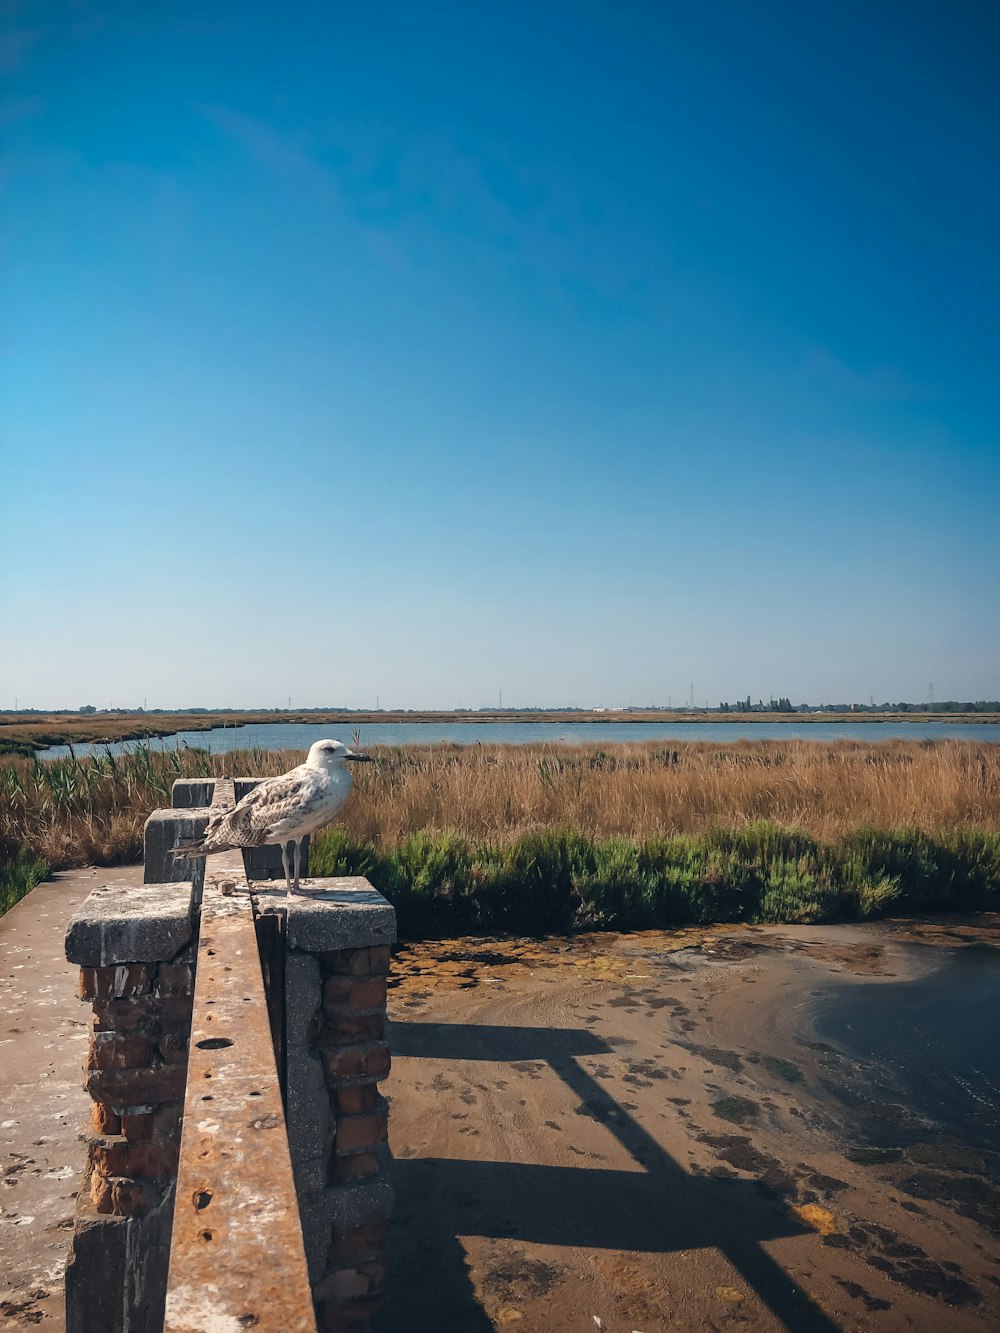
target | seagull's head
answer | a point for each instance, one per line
(329, 755)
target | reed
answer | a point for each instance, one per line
(73, 812)
(546, 837)
(646, 789)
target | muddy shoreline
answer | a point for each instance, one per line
(650, 1131)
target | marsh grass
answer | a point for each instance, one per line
(559, 879)
(641, 833)
(73, 812)
(19, 873)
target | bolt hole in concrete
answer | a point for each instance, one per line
(208, 1098)
(213, 1043)
(255, 1094)
(202, 1198)
(206, 1235)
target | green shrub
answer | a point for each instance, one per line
(19, 873)
(558, 880)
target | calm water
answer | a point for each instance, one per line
(283, 736)
(930, 1046)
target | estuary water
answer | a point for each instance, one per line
(929, 1048)
(296, 736)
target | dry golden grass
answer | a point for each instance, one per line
(644, 789)
(91, 811)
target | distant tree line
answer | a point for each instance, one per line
(747, 706)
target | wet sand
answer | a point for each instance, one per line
(650, 1132)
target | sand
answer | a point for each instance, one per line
(643, 1132)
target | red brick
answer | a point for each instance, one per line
(136, 1128)
(112, 983)
(162, 1125)
(379, 959)
(356, 1100)
(358, 1243)
(144, 1013)
(355, 1132)
(173, 1046)
(175, 979)
(167, 1121)
(100, 1194)
(117, 1156)
(337, 991)
(103, 1120)
(358, 962)
(112, 1050)
(137, 1087)
(368, 993)
(124, 1198)
(357, 1062)
(359, 1166)
(345, 1029)
(357, 993)
(129, 1198)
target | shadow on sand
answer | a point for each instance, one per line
(659, 1209)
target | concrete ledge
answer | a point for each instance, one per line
(338, 913)
(190, 793)
(131, 923)
(164, 829)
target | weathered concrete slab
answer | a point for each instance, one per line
(164, 830)
(118, 1268)
(131, 923)
(191, 793)
(309, 1117)
(343, 912)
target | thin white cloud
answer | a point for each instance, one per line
(279, 152)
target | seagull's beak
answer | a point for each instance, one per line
(351, 757)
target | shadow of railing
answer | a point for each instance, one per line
(659, 1209)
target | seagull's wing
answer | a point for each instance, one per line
(265, 808)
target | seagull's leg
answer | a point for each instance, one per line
(284, 862)
(298, 862)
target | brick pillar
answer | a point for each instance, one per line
(355, 1055)
(134, 947)
(336, 961)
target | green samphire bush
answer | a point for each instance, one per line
(19, 873)
(559, 879)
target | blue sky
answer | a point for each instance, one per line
(578, 351)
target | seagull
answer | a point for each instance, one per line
(284, 809)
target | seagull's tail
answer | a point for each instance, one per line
(193, 848)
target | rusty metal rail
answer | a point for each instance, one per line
(237, 1258)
